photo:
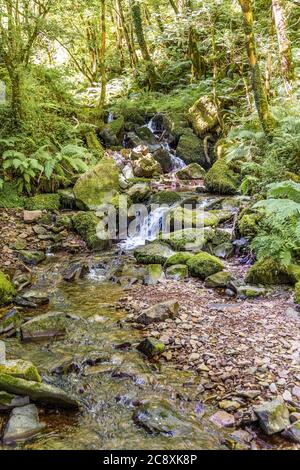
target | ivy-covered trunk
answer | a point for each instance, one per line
(260, 95)
(17, 108)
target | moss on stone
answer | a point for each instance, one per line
(193, 171)
(7, 290)
(86, 224)
(165, 197)
(154, 253)
(203, 265)
(178, 258)
(98, 186)
(220, 179)
(22, 369)
(190, 148)
(10, 197)
(203, 116)
(50, 202)
(268, 272)
(190, 239)
(248, 225)
(297, 293)
(177, 272)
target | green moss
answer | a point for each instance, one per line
(248, 225)
(98, 186)
(297, 292)
(190, 148)
(7, 290)
(220, 179)
(190, 239)
(177, 272)
(85, 224)
(268, 272)
(64, 221)
(220, 279)
(67, 199)
(32, 258)
(22, 369)
(10, 197)
(117, 126)
(203, 265)
(178, 258)
(50, 202)
(191, 172)
(165, 197)
(154, 253)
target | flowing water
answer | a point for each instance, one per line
(121, 378)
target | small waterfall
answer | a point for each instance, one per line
(110, 117)
(146, 230)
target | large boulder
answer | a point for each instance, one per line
(189, 239)
(203, 116)
(153, 253)
(38, 392)
(191, 149)
(193, 171)
(90, 228)
(164, 158)
(146, 167)
(98, 186)
(23, 424)
(7, 290)
(159, 312)
(220, 179)
(273, 416)
(178, 258)
(267, 272)
(204, 265)
(139, 192)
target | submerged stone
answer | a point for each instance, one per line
(38, 392)
(48, 325)
(75, 271)
(23, 424)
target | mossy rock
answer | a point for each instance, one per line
(22, 369)
(203, 116)
(268, 272)
(133, 115)
(64, 221)
(218, 280)
(168, 198)
(297, 293)
(139, 192)
(177, 272)
(98, 186)
(250, 292)
(220, 179)
(7, 290)
(194, 171)
(178, 258)
(151, 347)
(248, 225)
(293, 271)
(190, 239)
(146, 167)
(191, 149)
(32, 258)
(204, 265)
(10, 197)
(86, 224)
(221, 235)
(153, 253)
(49, 202)
(154, 274)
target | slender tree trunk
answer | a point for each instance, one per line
(131, 50)
(139, 31)
(103, 58)
(174, 6)
(284, 44)
(259, 91)
(16, 103)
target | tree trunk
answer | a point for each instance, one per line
(132, 54)
(139, 31)
(17, 108)
(174, 6)
(259, 91)
(103, 58)
(284, 44)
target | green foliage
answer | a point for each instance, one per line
(6, 289)
(10, 197)
(49, 202)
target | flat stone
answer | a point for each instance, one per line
(222, 419)
(273, 416)
(20, 368)
(293, 432)
(48, 325)
(23, 424)
(229, 405)
(9, 322)
(9, 401)
(31, 216)
(38, 392)
(151, 347)
(159, 312)
(37, 297)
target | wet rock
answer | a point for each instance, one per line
(48, 325)
(273, 416)
(248, 291)
(38, 392)
(155, 274)
(153, 253)
(22, 369)
(218, 280)
(9, 322)
(67, 199)
(22, 280)
(75, 271)
(293, 432)
(136, 370)
(163, 157)
(177, 272)
(31, 216)
(32, 258)
(9, 401)
(222, 419)
(159, 312)
(146, 167)
(36, 297)
(23, 424)
(167, 198)
(151, 347)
